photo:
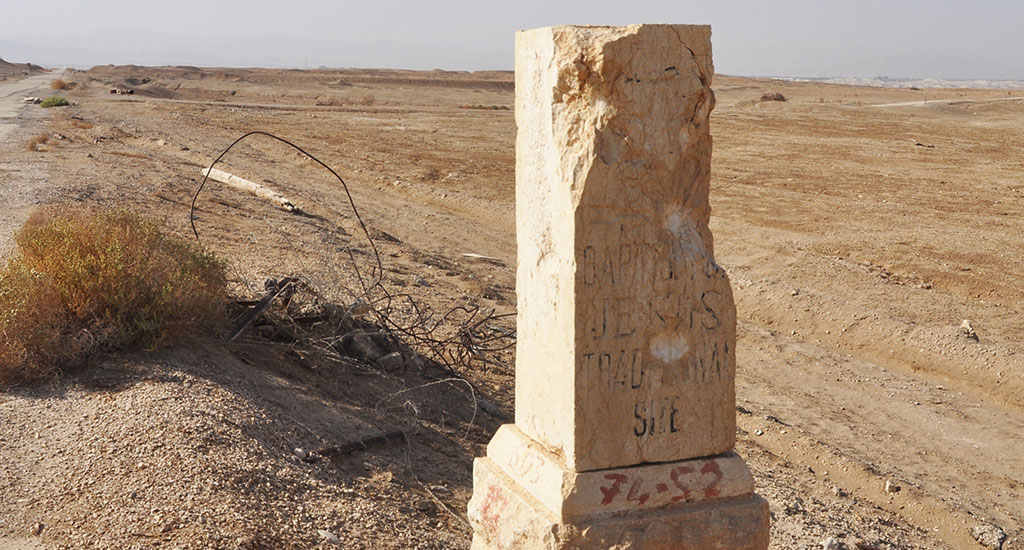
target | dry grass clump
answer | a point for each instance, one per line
(89, 280)
(774, 96)
(59, 84)
(82, 124)
(37, 140)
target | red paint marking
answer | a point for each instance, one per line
(675, 474)
(712, 490)
(662, 487)
(615, 488)
(634, 493)
(494, 504)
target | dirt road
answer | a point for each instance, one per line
(21, 183)
(11, 93)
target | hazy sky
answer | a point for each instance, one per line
(939, 38)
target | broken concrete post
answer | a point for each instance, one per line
(243, 184)
(625, 361)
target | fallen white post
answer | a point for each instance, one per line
(250, 187)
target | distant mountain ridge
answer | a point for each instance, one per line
(887, 82)
(135, 47)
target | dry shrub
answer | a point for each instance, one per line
(87, 280)
(82, 124)
(37, 140)
(59, 84)
(774, 96)
(368, 100)
(54, 101)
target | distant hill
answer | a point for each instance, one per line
(11, 69)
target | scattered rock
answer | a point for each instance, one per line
(303, 454)
(989, 536)
(391, 362)
(425, 506)
(37, 529)
(891, 487)
(488, 407)
(862, 544)
(328, 537)
(759, 432)
(366, 346)
(831, 543)
(440, 490)
(967, 330)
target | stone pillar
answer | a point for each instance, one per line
(625, 361)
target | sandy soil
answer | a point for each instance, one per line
(859, 227)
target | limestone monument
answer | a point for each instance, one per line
(626, 359)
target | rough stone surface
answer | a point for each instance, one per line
(568, 494)
(506, 517)
(626, 344)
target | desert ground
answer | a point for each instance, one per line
(859, 227)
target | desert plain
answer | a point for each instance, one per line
(860, 227)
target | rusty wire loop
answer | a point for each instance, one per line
(344, 186)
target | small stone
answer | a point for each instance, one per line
(967, 330)
(759, 432)
(425, 506)
(891, 487)
(328, 537)
(440, 490)
(862, 544)
(37, 529)
(391, 362)
(989, 536)
(301, 453)
(488, 407)
(161, 142)
(831, 543)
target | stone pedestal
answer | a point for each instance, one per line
(625, 358)
(525, 497)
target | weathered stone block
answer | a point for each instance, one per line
(568, 494)
(506, 517)
(626, 325)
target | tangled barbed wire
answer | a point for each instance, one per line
(378, 327)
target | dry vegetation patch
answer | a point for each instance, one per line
(37, 140)
(83, 281)
(54, 101)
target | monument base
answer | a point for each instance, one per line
(524, 499)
